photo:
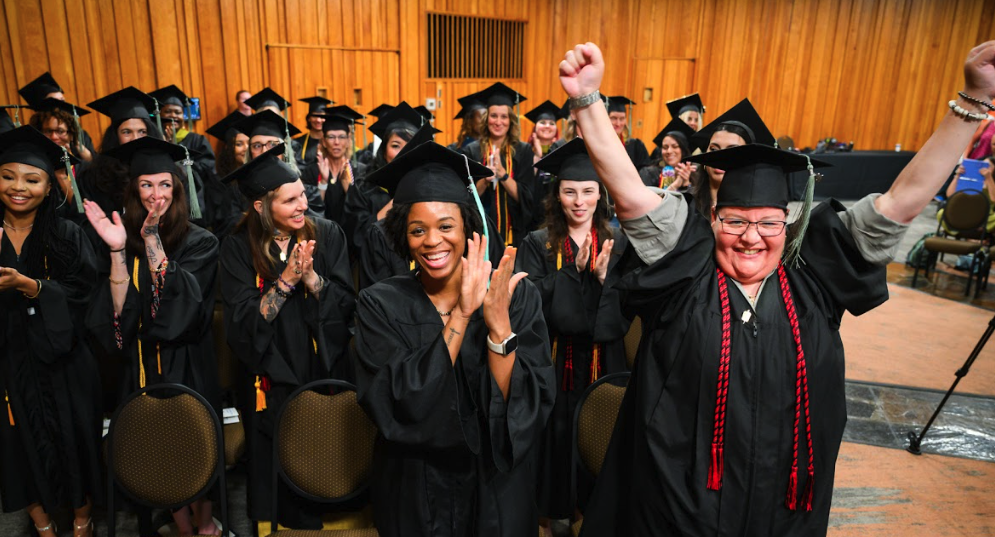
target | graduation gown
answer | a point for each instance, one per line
(653, 481)
(513, 218)
(177, 344)
(362, 203)
(50, 440)
(452, 457)
(306, 152)
(335, 195)
(636, 149)
(307, 341)
(580, 313)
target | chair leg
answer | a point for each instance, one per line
(915, 275)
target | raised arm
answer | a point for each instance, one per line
(581, 72)
(920, 180)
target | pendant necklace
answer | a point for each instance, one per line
(283, 251)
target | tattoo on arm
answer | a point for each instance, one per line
(148, 231)
(452, 333)
(318, 287)
(270, 305)
(154, 252)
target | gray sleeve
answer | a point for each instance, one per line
(876, 235)
(655, 234)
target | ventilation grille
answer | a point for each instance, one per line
(474, 47)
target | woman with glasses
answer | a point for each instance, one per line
(333, 172)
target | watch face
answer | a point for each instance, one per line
(511, 345)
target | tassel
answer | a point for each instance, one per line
(595, 362)
(158, 120)
(17, 116)
(791, 502)
(715, 469)
(555, 341)
(10, 413)
(315, 344)
(158, 359)
(808, 488)
(260, 396)
(288, 152)
(195, 213)
(480, 206)
(77, 196)
(792, 254)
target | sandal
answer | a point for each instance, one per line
(83, 530)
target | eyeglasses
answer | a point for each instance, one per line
(766, 228)
(337, 137)
(55, 132)
(256, 146)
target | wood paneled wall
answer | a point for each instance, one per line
(877, 72)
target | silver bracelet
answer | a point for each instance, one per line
(585, 100)
(976, 101)
(965, 114)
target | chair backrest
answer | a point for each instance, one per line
(165, 451)
(594, 421)
(631, 340)
(324, 443)
(966, 212)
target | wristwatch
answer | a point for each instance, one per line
(585, 100)
(504, 348)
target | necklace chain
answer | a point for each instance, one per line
(7, 224)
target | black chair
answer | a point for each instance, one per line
(165, 452)
(962, 231)
(323, 450)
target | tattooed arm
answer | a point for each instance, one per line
(271, 303)
(150, 234)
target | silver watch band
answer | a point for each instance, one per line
(585, 100)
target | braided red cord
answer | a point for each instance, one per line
(801, 401)
(715, 469)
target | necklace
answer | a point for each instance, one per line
(6, 224)
(282, 239)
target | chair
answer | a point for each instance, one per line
(323, 450)
(234, 433)
(962, 231)
(164, 452)
(594, 422)
(631, 341)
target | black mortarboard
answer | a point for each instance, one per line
(25, 145)
(344, 112)
(52, 103)
(129, 103)
(424, 135)
(570, 162)
(6, 124)
(744, 116)
(400, 115)
(429, 172)
(335, 122)
(380, 110)
(265, 123)
(170, 95)
(546, 110)
(617, 103)
(39, 88)
(148, 156)
(316, 105)
(226, 128)
(425, 112)
(267, 97)
(676, 127)
(756, 175)
(683, 104)
(262, 174)
(499, 94)
(469, 103)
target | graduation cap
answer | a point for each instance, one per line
(676, 128)
(546, 110)
(425, 112)
(341, 116)
(6, 124)
(380, 110)
(170, 95)
(424, 135)
(38, 89)
(756, 175)
(316, 104)
(499, 94)
(265, 123)
(429, 172)
(570, 162)
(684, 104)
(618, 103)
(263, 174)
(469, 103)
(401, 115)
(744, 116)
(25, 145)
(129, 103)
(51, 103)
(267, 97)
(226, 128)
(149, 156)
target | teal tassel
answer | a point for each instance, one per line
(72, 180)
(158, 120)
(472, 187)
(79, 126)
(792, 255)
(191, 187)
(288, 152)
(17, 117)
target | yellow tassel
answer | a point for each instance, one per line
(595, 357)
(158, 359)
(555, 341)
(315, 344)
(10, 413)
(260, 396)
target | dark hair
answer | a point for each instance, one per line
(403, 131)
(227, 161)
(173, 225)
(395, 226)
(110, 140)
(109, 176)
(260, 229)
(701, 189)
(468, 128)
(556, 223)
(47, 254)
(39, 120)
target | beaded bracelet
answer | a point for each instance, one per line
(976, 101)
(280, 292)
(162, 268)
(284, 282)
(965, 114)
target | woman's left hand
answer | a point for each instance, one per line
(11, 279)
(305, 263)
(601, 263)
(498, 298)
(683, 171)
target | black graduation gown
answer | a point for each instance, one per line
(306, 152)
(578, 311)
(654, 477)
(362, 203)
(378, 261)
(513, 218)
(636, 149)
(307, 341)
(452, 457)
(51, 453)
(335, 195)
(177, 345)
